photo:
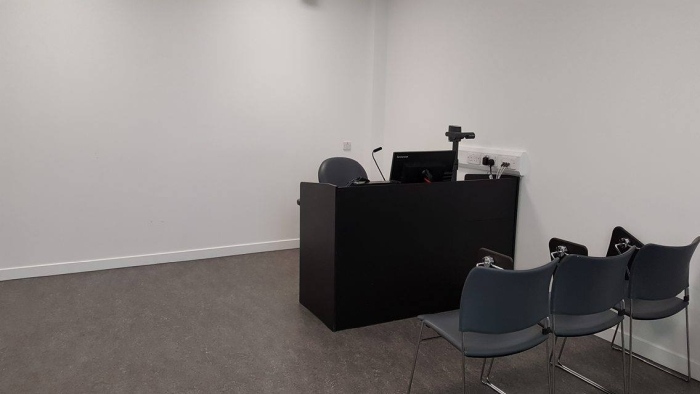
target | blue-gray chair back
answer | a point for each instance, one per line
(660, 272)
(500, 301)
(340, 171)
(586, 285)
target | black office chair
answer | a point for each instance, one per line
(502, 312)
(657, 275)
(340, 171)
(584, 292)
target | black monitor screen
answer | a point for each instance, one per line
(420, 167)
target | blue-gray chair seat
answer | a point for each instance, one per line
(654, 310)
(480, 345)
(582, 325)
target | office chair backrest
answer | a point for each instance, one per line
(659, 272)
(500, 301)
(340, 171)
(586, 285)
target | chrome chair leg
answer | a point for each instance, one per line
(549, 372)
(612, 342)
(551, 365)
(464, 368)
(488, 374)
(486, 379)
(629, 360)
(624, 367)
(485, 376)
(415, 359)
(656, 365)
(464, 372)
(570, 371)
(561, 350)
(687, 340)
(583, 378)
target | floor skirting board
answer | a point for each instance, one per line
(146, 259)
(658, 354)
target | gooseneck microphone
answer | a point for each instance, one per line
(375, 161)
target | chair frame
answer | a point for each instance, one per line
(647, 361)
(485, 378)
(558, 249)
(557, 363)
(620, 247)
(560, 252)
(626, 241)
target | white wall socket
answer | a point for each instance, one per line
(347, 146)
(513, 161)
(472, 156)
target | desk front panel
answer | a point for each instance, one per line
(404, 250)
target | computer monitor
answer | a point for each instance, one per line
(422, 167)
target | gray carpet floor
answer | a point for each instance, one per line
(234, 325)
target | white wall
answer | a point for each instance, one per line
(603, 96)
(379, 89)
(147, 128)
(141, 127)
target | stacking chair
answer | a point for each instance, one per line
(585, 291)
(658, 274)
(502, 312)
(340, 171)
(620, 241)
